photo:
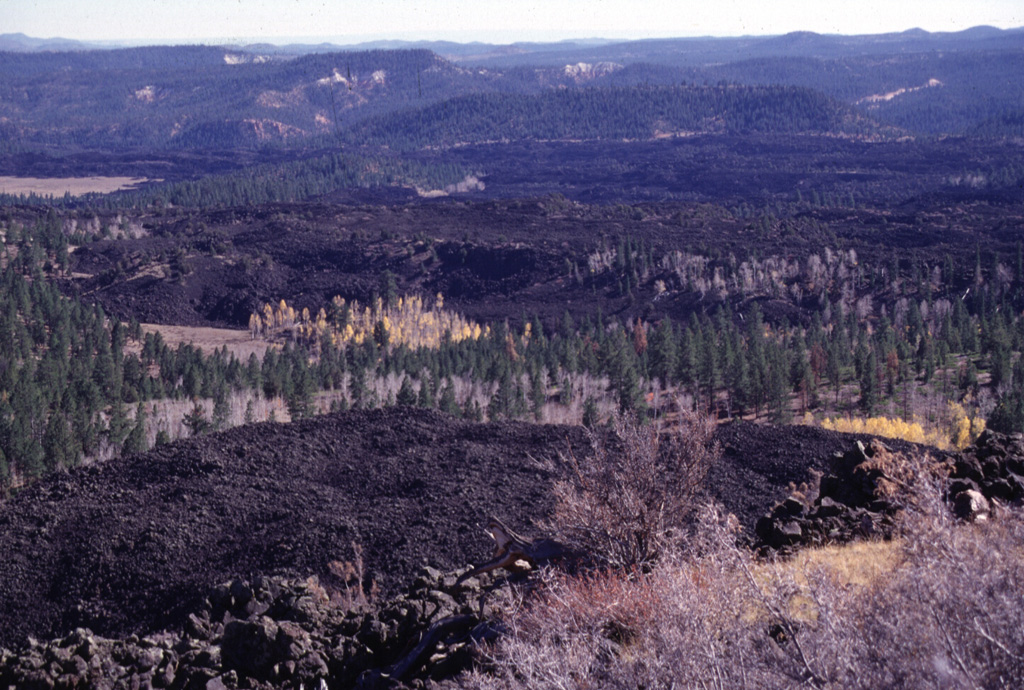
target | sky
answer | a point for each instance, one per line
(495, 21)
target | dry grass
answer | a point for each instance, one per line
(58, 186)
(860, 564)
(238, 342)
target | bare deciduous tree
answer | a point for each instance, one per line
(625, 501)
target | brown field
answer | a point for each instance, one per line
(58, 186)
(238, 342)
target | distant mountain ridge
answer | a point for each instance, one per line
(643, 49)
(20, 43)
(58, 96)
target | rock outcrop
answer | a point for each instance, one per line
(277, 632)
(863, 492)
(991, 470)
(856, 497)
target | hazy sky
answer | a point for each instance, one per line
(486, 20)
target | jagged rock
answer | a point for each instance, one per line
(960, 485)
(793, 507)
(827, 507)
(990, 467)
(999, 488)
(971, 505)
(309, 643)
(788, 532)
(249, 646)
(1016, 483)
(858, 497)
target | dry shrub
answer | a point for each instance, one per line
(346, 583)
(954, 614)
(624, 502)
(949, 615)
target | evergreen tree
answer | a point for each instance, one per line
(664, 353)
(870, 390)
(1008, 415)
(447, 403)
(538, 392)
(590, 412)
(59, 449)
(406, 394)
(426, 396)
(622, 370)
(221, 409)
(136, 440)
(195, 421)
(118, 425)
(503, 400)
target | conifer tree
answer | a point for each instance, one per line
(136, 440)
(664, 355)
(59, 449)
(221, 409)
(195, 421)
(406, 393)
(538, 392)
(447, 402)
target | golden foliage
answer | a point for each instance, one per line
(956, 432)
(408, 321)
(963, 429)
(888, 428)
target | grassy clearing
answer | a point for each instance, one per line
(59, 186)
(238, 342)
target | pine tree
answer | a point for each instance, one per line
(118, 425)
(59, 448)
(299, 397)
(406, 394)
(503, 400)
(221, 409)
(664, 353)
(590, 419)
(870, 391)
(195, 421)
(136, 440)
(426, 398)
(538, 392)
(447, 403)
(624, 376)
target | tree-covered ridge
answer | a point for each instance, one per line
(296, 181)
(613, 114)
(202, 96)
(269, 183)
(187, 97)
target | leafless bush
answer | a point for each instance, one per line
(346, 583)
(624, 502)
(954, 615)
(949, 615)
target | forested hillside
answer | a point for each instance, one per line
(637, 113)
(208, 97)
(203, 96)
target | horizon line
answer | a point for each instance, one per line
(406, 37)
